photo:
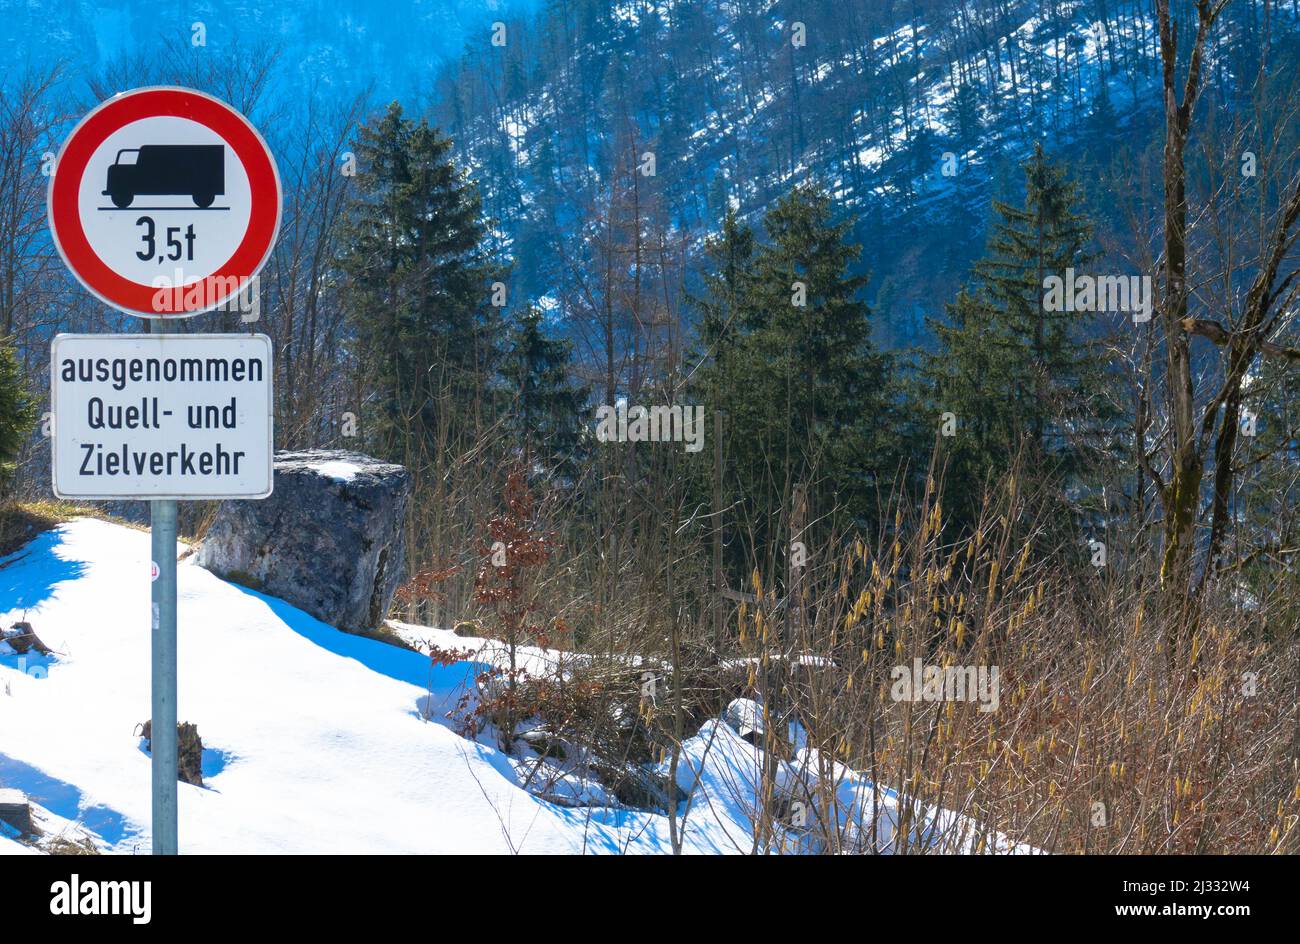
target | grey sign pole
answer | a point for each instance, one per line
(162, 526)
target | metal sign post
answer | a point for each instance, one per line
(164, 754)
(162, 524)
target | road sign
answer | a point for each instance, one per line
(156, 416)
(164, 202)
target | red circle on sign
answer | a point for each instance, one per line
(65, 212)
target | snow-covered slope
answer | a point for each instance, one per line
(315, 740)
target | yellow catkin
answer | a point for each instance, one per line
(1020, 565)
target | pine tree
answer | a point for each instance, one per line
(1011, 372)
(789, 358)
(546, 407)
(419, 290)
(17, 412)
(963, 115)
(729, 259)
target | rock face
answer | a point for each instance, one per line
(329, 540)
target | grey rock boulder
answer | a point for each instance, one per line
(330, 539)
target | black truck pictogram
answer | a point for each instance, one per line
(197, 171)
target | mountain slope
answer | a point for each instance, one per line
(912, 115)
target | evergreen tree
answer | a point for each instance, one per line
(790, 360)
(17, 412)
(963, 115)
(419, 290)
(546, 411)
(729, 261)
(1012, 372)
(1103, 122)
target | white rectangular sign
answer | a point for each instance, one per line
(184, 416)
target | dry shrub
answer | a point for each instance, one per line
(1100, 742)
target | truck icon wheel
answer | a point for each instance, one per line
(204, 200)
(121, 199)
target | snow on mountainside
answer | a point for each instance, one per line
(911, 115)
(316, 741)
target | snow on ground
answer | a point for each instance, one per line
(313, 738)
(533, 660)
(11, 847)
(316, 741)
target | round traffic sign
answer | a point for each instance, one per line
(164, 202)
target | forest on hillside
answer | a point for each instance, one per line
(783, 344)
